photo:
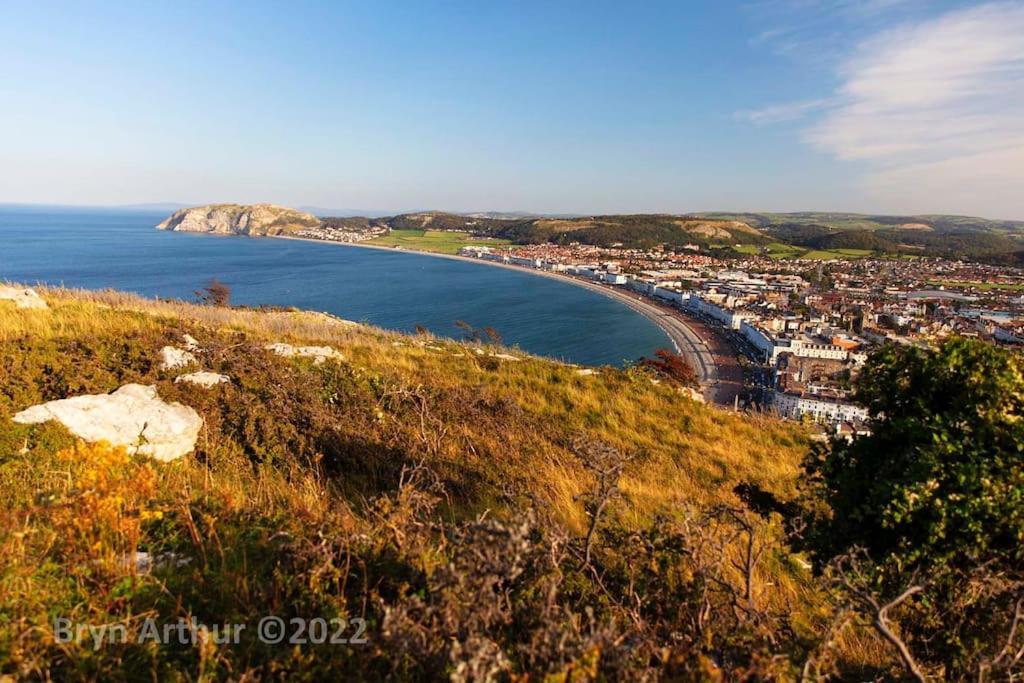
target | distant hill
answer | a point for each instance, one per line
(967, 237)
(858, 221)
(641, 230)
(518, 215)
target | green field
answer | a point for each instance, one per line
(827, 254)
(778, 250)
(436, 241)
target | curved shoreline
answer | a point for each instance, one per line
(682, 337)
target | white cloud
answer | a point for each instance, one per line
(816, 31)
(779, 113)
(938, 106)
(935, 112)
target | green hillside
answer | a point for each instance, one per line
(857, 221)
(643, 230)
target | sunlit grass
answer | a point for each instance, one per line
(436, 241)
(294, 451)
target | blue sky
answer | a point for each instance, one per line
(589, 107)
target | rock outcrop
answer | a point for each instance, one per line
(240, 219)
(319, 354)
(203, 379)
(692, 394)
(172, 358)
(134, 416)
(23, 297)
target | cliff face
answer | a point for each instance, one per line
(239, 219)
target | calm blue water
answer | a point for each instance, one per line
(395, 290)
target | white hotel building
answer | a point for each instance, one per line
(819, 408)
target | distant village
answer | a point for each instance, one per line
(806, 327)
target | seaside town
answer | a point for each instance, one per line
(800, 329)
(787, 335)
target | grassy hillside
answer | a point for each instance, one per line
(644, 230)
(638, 231)
(964, 237)
(448, 496)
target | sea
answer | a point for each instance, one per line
(397, 290)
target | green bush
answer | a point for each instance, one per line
(934, 497)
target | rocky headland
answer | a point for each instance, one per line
(240, 219)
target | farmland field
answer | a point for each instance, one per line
(437, 241)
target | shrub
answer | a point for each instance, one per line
(932, 501)
(215, 293)
(672, 367)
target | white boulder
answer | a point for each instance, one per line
(203, 379)
(191, 343)
(692, 394)
(172, 358)
(23, 297)
(145, 563)
(319, 354)
(134, 416)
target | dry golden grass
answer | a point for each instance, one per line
(686, 452)
(684, 455)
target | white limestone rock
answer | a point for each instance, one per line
(172, 358)
(145, 563)
(239, 219)
(692, 394)
(23, 297)
(134, 416)
(319, 354)
(203, 379)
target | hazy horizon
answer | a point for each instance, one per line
(895, 107)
